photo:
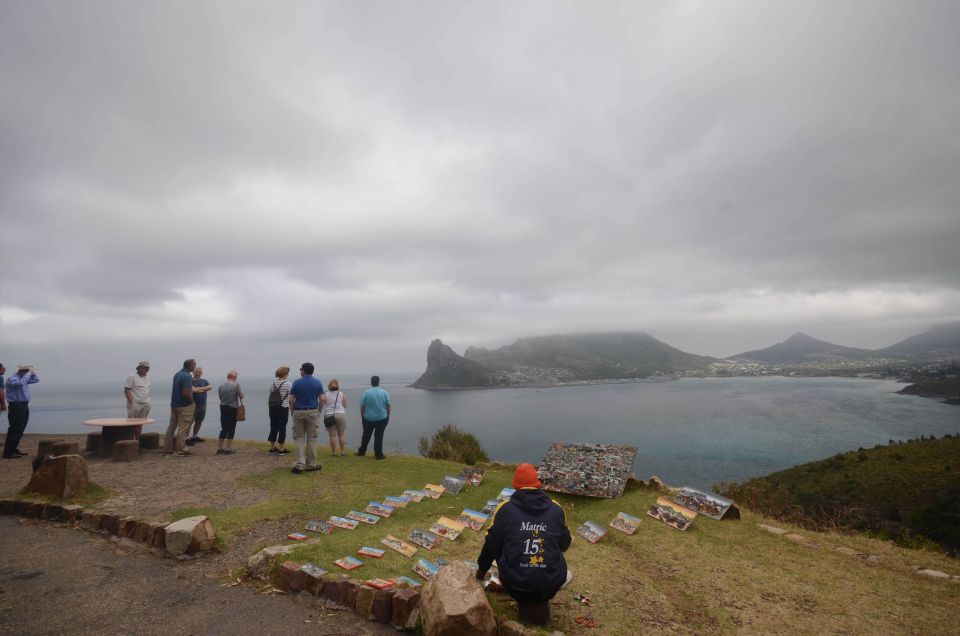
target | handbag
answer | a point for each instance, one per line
(241, 411)
(330, 421)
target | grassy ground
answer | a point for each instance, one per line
(718, 577)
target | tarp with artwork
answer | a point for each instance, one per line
(593, 470)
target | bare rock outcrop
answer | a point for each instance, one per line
(454, 603)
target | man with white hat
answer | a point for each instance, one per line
(18, 400)
(137, 391)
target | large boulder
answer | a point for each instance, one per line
(190, 535)
(63, 477)
(453, 602)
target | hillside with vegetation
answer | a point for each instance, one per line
(905, 491)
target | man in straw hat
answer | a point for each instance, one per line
(18, 404)
(527, 539)
(137, 391)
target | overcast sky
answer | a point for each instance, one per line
(262, 183)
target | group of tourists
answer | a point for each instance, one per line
(305, 398)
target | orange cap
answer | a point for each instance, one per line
(526, 477)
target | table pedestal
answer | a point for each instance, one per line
(113, 434)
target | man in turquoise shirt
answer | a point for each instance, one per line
(374, 415)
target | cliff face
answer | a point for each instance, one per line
(447, 370)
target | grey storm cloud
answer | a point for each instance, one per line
(372, 175)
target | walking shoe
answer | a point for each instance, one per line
(359, 454)
(220, 451)
(273, 451)
(296, 470)
(20, 453)
(189, 441)
(283, 451)
(381, 456)
(198, 439)
(229, 451)
(313, 468)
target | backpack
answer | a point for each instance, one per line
(275, 399)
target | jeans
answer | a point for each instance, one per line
(306, 425)
(376, 429)
(228, 421)
(278, 424)
(17, 415)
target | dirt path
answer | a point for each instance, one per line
(56, 580)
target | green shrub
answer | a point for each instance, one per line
(452, 444)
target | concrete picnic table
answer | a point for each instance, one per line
(115, 429)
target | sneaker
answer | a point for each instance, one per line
(381, 456)
(198, 439)
(221, 451)
(273, 451)
(310, 469)
(359, 454)
(20, 453)
(296, 470)
(229, 451)
(283, 451)
(189, 441)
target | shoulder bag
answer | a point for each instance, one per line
(329, 421)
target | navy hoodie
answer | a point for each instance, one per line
(528, 538)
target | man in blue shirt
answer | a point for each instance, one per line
(200, 388)
(306, 399)
(374, 415)
(18, 399)
(181, 411)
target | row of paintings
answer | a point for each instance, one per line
(677, 512)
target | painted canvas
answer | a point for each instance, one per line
(704, 503)
(672, 514)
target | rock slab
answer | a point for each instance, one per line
(453, 603)
(405, 603)
(63, 477)
(258, 566)
(189, 536)
(382, 610)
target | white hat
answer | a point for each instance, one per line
(143, 363)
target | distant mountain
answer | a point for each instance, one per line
(447, 370)
(802, 348)
(940, 341)
(551, 360)
(592, 356)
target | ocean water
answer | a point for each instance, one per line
(689, 432)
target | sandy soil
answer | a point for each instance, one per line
(188, 594)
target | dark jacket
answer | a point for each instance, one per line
(528, 538)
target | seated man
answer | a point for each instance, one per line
(528, 537)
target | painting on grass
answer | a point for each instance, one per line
(342, 522)
(473, 476)
(672, 514)
(318, 525)
(362, 517)
(453, 484)
(376, 553)
(591, 531)
(625, 523)
(434, 490)
(415, 496)
(425, 568)
(473, 519)
(704, 503)
(591, 470)
(348, 563)
(447, 528)
(424, 538)
(401, 546)
(379, 509)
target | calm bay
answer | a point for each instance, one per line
(689, 432)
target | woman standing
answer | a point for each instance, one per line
(278, 404)
(335, 417)
(230, 396)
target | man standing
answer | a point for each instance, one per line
(306, 398)
(137, 391)
(18, 398)
(181, 410)
(374, 415)
(527, 539)
(200, 388)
